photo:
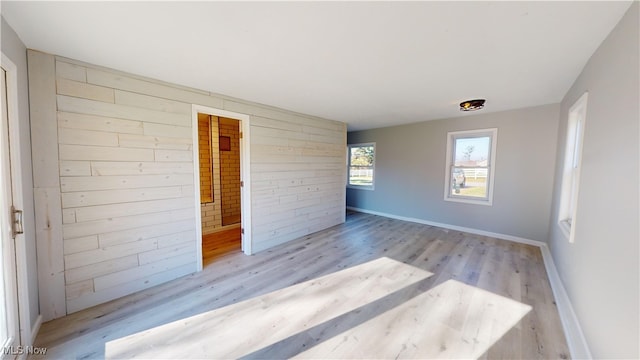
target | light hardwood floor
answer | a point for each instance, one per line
(370, 288)
(219, 244)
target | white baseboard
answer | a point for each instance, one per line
(223, 228)
(453, 227)
(35, 329)
(576, 341)
(573, 332)
(29, 342)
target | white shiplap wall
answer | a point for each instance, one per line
(126, 176)
(298, 177)
(127, 188)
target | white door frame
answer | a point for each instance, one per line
(26, 335)
(245, 175)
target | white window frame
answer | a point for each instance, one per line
(572, 165)
(491, 166)
(373, 179)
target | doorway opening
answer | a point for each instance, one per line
(222, 158)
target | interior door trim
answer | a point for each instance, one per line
(245, 175)
(27, 329)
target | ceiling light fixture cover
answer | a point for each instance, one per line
(472, 105)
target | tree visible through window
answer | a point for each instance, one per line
(361, 165)
(470, 158)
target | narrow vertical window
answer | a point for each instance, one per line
(361, 166)
(571, 169)
(470, 166)
(206, 161)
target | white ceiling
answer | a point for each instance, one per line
(369, 64)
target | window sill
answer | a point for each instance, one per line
(360, 187)
(565, 228)
(466, 200)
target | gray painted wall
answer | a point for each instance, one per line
(600, 270)
(410, 172)
(16, 51)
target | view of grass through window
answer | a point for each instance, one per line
(361, 160)
(470, 168)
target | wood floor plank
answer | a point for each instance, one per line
(324, 295)
(219, 244)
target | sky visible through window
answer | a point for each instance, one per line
(472, 149)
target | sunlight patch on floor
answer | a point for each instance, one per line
(451, 321)
(248, 327)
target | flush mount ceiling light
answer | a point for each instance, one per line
(472, 105)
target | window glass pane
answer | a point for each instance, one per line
(470, 166)
(361, 165)
(576, 147)
(473, 151)
(469, 182)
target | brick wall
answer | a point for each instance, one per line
(211, 213)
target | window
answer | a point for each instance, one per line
(205, 158)
(361, 165)
(571, 169)
(470, 166)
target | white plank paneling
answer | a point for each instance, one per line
(100, 297)
(78, 289)
(88, 183)
(104, 197)
(291, 204)
(298, 166)
(68, 216)
(84, 90)
(282, 115)
(43, 120)
(70, 71)
(142, 271)
(140, 168)
(295, 189)
(46, 183)
(176, 239)
(166, 233)
(186, 247)
(89, 213)
(167, 130)
(76, 245)
(75, 168)
(86, 137)
(305, 174)
(259, 121)
(174, 155)
(108, 253)
(123, 223)
(91, 107)
(125, 173)
(122, 82)
(86, 152)
(152, 102)
(267, 158)
(101, 268)
(154, 142)
(187, 190)
(98, 123)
